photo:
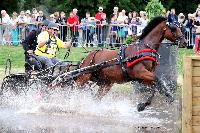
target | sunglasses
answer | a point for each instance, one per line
(54, 29)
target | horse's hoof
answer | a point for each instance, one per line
(141, 106)
(170, 99)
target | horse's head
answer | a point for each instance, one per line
(174, 34)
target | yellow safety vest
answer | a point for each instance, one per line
(48, 50)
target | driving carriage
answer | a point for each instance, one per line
(35, 74)
(105, 67)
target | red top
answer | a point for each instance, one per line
(98, 17)
(197, 48)
(72, 21)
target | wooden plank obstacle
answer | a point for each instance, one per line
(191, 95)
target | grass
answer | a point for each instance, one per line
(16, 54)
(181, 53)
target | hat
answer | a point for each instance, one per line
(52, 16)
(28, 12)
(181, 15)
(191, 15)
(75, 9)
(101, 8)
(53, 26)
(115, 8)
(45, 23)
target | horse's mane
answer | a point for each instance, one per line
(151, 25)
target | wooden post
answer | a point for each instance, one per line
(187, 97)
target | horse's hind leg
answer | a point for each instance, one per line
(83, 79)
(102, 91)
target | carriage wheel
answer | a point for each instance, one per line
(13, 84)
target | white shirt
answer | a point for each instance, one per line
(122, 18)
(6, 20)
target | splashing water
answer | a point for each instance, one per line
(76, 109)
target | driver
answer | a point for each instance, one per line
(29, 45)
(48, 43)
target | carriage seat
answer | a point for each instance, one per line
(33, 64)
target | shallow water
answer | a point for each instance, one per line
(77, 112)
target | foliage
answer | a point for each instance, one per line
(50, 6)
(129, 40)
(154, 8)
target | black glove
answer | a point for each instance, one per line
(48, 42)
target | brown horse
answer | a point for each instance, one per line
(134, 62)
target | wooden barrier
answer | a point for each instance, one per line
(191, 95)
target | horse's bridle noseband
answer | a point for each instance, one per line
(177, 38)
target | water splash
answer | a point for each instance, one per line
(78, 107)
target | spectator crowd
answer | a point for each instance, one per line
(95, 30)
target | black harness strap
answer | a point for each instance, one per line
(92, 61)
(122, 64)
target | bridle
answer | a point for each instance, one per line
(177, 38)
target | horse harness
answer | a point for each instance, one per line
(127, 62)
(140, 55)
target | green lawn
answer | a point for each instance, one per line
(15, 53)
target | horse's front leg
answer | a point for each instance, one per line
(147, 79)
(141, 106)
(162, 88)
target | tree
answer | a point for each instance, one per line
(154, 8)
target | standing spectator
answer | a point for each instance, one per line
(104, 27)
(35, 12)
(91, 28)
(29, 26)
(198, 8)
(129, 17)
(56, 15)
(122, 17)
(61, 21)
(33, 18)
(134, 22)
(14, 30)
(167, 14)
(172, 17)
(72, 23)
(182, 22)
(22, 21)
(40, 18)
(126, 25)
(113, 30)
(115, 11)
(6, 22)
(52, 18)
(190, 29)
(84, 25)
(143, 18)
(197, 26)
(75, 11)
(98, 18)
